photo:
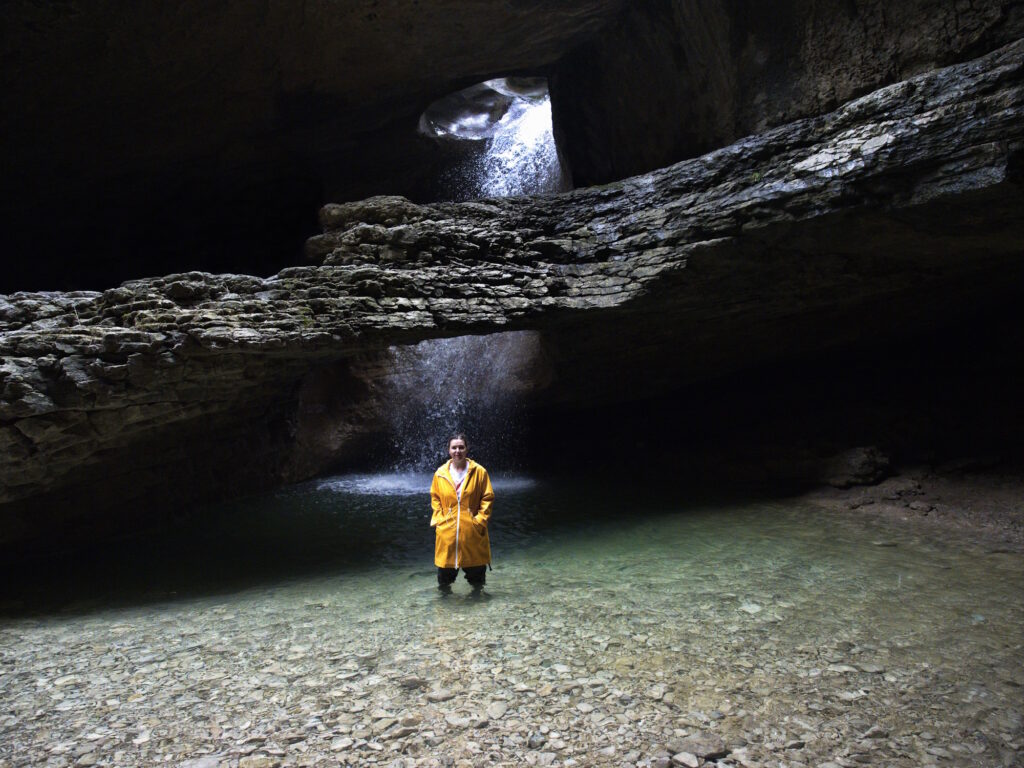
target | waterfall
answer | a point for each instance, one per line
(502, 131)
(475, 384)
(469, 383)
(521, 158)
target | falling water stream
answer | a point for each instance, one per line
(521, 157)
(510, 132)
(624, 621)
(473, 384)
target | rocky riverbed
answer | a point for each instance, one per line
(759, 636)
(975, 499)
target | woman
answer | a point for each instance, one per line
(461, 497)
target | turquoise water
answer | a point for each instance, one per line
(616, 620)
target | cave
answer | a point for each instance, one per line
(724, 296)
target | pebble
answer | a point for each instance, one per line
(258, 761)
(456, 721)
(705, 744)
(687, 759)
(591, 673)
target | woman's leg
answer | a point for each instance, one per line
(477, 575)
(445, 578)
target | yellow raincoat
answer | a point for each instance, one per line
(461, 523)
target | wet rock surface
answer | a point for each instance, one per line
(713, 72)
(664, 273)
(642, 649)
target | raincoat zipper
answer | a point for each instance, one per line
(458, 499)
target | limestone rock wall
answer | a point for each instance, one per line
(146, 139)
(900, 207)
(709, 72)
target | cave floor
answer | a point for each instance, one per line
(967, 501)
(757, 634)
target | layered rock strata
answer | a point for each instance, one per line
(904, 204)
(710, 72)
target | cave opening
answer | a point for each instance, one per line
(503, 140)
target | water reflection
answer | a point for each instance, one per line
(586, 532)
(770, 623)
(338, 525)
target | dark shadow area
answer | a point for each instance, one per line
(950, 395)
(218, 548)
(148, 225)
(212, 214)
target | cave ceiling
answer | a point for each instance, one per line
(187, 146)
(139, 85)
(122, 118)
(147, 138)
(898, 210)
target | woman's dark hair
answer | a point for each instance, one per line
(458, 436)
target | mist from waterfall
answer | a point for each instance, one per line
(472, 384)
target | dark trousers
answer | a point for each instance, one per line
(475, 575)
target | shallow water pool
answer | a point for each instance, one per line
(304, 628)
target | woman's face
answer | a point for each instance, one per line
(457, 451)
